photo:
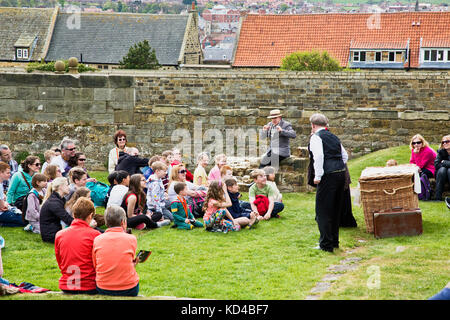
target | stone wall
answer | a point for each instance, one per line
(368, 111)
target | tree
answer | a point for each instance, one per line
(310, 61)
(189, 2)
(140, 56)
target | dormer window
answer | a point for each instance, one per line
(434, 54)
(24, 47)
(378, 55)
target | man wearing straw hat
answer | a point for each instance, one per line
(278, 131)
(330, 158)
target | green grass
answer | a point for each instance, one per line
(273, 261)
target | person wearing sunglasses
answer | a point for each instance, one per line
(120, 140)
(178, 174)
(21, 181)
(68, 150)
(442, 166)
(79, 160)
(422, 156)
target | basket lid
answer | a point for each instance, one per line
(372, 173)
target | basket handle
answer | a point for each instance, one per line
(394, 190)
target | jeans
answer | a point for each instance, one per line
(133, 292)
(442, 176)
(277, 208)
(11, 218)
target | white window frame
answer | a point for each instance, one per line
(356, 56)
(445, 55)
(24, 53)
(19, 53)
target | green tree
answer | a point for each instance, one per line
(189, 2)
(309, 61)
(140, 56)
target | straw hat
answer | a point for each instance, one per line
(274, 114)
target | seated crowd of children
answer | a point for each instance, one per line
(56, 200)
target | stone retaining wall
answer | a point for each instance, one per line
(209, 109)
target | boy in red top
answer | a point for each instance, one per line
(73, 251)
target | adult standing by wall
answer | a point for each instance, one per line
(330, 158)
(120, 140)
(278, 131)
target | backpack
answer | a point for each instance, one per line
(99, 191)
(425, 194)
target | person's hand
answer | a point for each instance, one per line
(166, 195)
(91, 180)
(266, 127)
(187, 221)
(266, 216)
(316, 181)
(279, 129)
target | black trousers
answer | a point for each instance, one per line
(133, 222)
(329, 202)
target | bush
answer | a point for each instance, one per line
(50, 67)
(310, 61)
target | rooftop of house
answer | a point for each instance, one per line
(264, 40)
(107, 37)
(20, 26)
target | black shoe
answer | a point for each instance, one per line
(447, 202)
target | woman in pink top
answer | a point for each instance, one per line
(422, 155)
(113, 255)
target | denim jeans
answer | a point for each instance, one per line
(277, 207)
(11, 218)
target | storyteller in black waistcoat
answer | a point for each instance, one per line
(329, 160)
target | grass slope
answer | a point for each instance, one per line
(273, 261)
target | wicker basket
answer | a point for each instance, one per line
(385, 193)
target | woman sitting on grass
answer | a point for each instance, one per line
(422, 156)
(53, 211)
(217, 200)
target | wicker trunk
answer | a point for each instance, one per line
(386, 193)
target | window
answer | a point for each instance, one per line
(19, 53)
(362, 56)
(377, 56)
(435, 55)
(25, 53)
(440, 55)
(398, 56)
(426, 55)
(448, 55)
(356, 56)
(391, 56)
(370, 56)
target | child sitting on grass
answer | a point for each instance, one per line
(34, 201)
(182, 216)
(217, 200)
(270, 174)
(266, 206)
(246, 217)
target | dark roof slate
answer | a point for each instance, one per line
(107, 37)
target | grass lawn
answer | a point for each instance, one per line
(273, 261)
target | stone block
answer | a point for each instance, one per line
(12, 105)
(51, 93)
(103, 94)
(79, 94)
(8, 92)
(27, 93)
(123, 94)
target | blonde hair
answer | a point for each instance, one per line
(257, 172)
(219, 157)
(158, 165)
(443, 138)
(49, 154)
(391, 163)
(174, 173)
(54, 186)
(418, 136)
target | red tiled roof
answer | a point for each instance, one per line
(265, 39)
(378, 45)
(426, 43)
